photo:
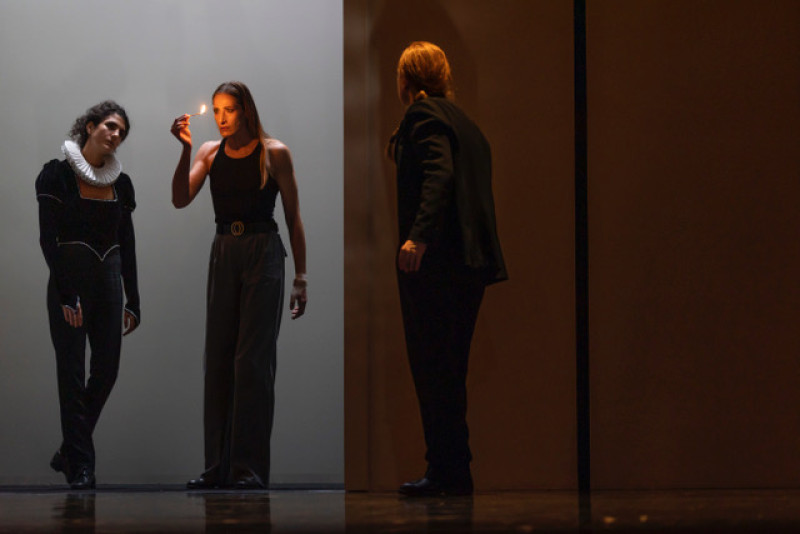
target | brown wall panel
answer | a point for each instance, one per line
(694, 181)
(512, 64)
(693, 184)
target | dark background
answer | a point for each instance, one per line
(694, 303)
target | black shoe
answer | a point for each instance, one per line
(84, 480)
(202, 483)
(248, 483)
(425, 487)
(59, 462)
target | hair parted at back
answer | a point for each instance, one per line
(426, 69)
(244, 98)
(95, 115)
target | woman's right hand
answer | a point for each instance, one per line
(74, 316)
(180, 129)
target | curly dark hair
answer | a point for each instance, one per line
(95, 115)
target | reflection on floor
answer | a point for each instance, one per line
(168, 510)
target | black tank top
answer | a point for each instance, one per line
(236, 188)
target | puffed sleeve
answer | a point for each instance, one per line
(433, 143)
(127, 245)
(51, 194)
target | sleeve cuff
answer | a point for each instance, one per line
(136, 314)
(70, 301)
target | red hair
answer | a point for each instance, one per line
(425, 68)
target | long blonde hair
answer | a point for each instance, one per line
(425, 68)
(244, 98)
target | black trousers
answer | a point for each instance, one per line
(243, 317)
(99, 286)
(440, 307)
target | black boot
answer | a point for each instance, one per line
(84, 479)
(60, 464)
(435, 484)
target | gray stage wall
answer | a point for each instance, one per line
(161, 59)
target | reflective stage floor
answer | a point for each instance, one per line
(170, 509)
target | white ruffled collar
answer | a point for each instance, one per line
(97, 176)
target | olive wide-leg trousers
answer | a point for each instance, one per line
(243, 316)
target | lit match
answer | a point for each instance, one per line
(202, 110)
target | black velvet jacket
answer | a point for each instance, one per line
(444, 188)
(66, 218)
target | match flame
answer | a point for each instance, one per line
(202, 110)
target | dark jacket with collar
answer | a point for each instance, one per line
(66, 217)
(444, 186)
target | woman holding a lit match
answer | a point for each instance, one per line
(247, 169)
(86, 234)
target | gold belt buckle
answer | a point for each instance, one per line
(237, 228)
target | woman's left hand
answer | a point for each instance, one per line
(410, 256)
(129, 323)
(298, 298)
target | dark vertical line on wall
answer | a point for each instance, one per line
(372, 240)
(581, 253)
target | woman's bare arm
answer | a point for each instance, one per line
(282, 171)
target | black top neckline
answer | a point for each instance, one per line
(222, 145)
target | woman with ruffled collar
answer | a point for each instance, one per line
(86, 235)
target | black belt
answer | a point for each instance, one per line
(237, 228)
